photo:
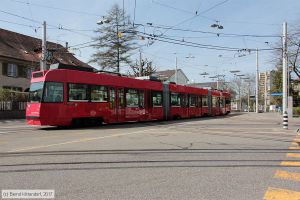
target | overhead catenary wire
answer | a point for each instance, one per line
(56, 8)
(166, 39)
(207, 32)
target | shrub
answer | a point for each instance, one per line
(8, 95)
(296, 111)
(5, 95)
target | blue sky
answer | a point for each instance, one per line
(242, 17)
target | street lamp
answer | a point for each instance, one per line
(103, 21)
(235, 71)
(217, 25)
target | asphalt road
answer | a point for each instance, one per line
(241, 156)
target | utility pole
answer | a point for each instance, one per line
(257, 83)
(141, 66)
(240, 104)
(43, 63)
(176, 74)
(266, 92)
(284, 68)
(249, 96)
(284, 76)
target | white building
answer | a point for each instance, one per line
(169, 76)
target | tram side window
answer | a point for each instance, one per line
(53, 92)
(156, 98)
(99, 93)
(193, 101)
(132, 98)
(227, 101)
(175, 99)
(184, 100)
(112, 98)
(121, 98)
(199, 102)
(78, 92)
(222, 102)
(141, 99)
(215, 102)
(204, 101)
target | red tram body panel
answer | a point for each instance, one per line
(61, 97)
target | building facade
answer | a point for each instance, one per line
(170, 76)
(264, 90)
(20, 55)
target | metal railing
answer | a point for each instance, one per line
(12, 105)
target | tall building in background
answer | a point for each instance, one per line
(264, 90)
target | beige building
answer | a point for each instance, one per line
(264, 90)
(20, 56)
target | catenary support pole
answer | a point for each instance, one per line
(257, 83)
(284, 76)
(43, 63)
(141, 65)
(249, 97)
(265, 92)
(176, 73)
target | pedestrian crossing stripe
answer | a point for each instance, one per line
(290, 163)
(293, 155)
(281, 194)
(287, 175)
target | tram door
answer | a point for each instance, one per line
(112, 105)
(121, 105)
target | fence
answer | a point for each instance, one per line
(12, 105)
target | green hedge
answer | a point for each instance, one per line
(8, 95)
(296, 111)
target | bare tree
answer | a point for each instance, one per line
(147, 68)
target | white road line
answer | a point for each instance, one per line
(77, 141)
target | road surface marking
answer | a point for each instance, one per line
(22, 126)
(77, 141)
(287, 175)
(295, 148)
(290, 163)
(281, 194)
(295, 144)
(293, 155)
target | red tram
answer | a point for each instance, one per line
(61, 97)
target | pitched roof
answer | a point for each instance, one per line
(27, 48)
(168, 73)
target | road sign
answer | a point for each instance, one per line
(276, 94)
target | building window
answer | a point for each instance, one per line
(156, 98)
(29, 72)
(12, 70)
(78, 92)
(99, 93)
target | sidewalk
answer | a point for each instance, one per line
(10, 121)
